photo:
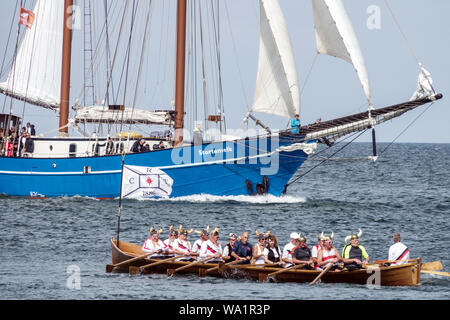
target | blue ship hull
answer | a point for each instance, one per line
(218, 169)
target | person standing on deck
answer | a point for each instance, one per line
(228, 248)
(354, 254)
(289, 249)
(204, 236)
(212, 248)
(242, 250)
(398, 251)
(295, 124)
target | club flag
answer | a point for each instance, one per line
(26, 18)
(145, 183)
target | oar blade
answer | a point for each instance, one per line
(434, 265)
(109, 268)
(262, 277)
(134, 270)
(202, 272)
(170, 272)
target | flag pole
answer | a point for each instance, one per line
(120, 199)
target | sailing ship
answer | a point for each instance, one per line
(40, 75)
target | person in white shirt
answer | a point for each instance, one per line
(154, 245)
(315, 249)
(182, 246)
(258, 248)
(289, 249)
(272, 253)
(398, 251)
(228, 248)
(173, 235)
(211, 248)
(204, 236)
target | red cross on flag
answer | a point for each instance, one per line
(26, 18)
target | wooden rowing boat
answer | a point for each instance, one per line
(407, 274)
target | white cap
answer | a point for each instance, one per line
(294, 235)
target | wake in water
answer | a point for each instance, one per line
(207, 198)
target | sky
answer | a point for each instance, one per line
(330, 86)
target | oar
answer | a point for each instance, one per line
(440, 273)
(202, 272)
(434, 265)
(263, 277)
(321, 274)
(110, 267)
(170, 272)
(135, 270)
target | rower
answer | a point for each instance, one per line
(315, 250)
(242, 250)
(228, 248)
(354, 253)
(173, 234)
(154, 245)
(289, 248)
(302, 254)
(398, 251)
(258, 248)
(204, 236)
(329, 254)
(182, 246)
(272, 253)
(212, 248)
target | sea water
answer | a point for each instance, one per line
(58, 248)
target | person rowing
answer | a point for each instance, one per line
(315, 250)
(212, 248)
(173, 235)
(204, 236)
(242, 250)
(329, 254)
(355, 255)
(228, 248)
(289, 248)
(272, 253)
(155, 246)
(302, 254)
(258, 248)
(398, 251)
(182, 246)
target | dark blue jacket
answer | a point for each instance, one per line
(242, 250)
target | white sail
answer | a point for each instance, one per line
(335, 37)
(128, 115)
(35, 74)
(277, 90)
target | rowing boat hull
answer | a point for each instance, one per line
(401, 275)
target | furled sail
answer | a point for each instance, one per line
(277, 90)
(101, 114)
(35, 74)
(335, 37)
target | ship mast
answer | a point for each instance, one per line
(180, 72)
(65, 70)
